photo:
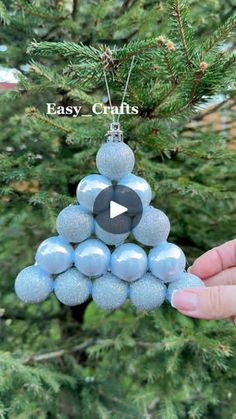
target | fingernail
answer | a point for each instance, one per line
(189, 269)
(184, 300)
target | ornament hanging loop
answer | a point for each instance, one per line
(115, 134)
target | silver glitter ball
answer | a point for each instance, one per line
(33, 285)
(115, 160)
(109, 292)
(147, 293)
(184, 280)
(153, 228)
(72, 288)
(75, 224)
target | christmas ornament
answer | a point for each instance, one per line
(183, 280)
(153, 228)
(129, 262)
(54, 255)
(111, 238)
(166, 260)
(72, 287)
(92, 258)
(115, 160)
(147, 293)
(75, 224)
(124, 273)
(139, 185)
(89, 188)
(109, 292)
(33, 285)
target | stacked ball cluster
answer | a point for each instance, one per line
(78, 263)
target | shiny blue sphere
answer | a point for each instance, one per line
(110, 238)
(33, 285)
(129, 262)
(75, 224)
(147, 293)
(166, 260)
(138, 185)
(92, 258)
(55, 255)
(184, 280)
(109, 292)
(72, 287)
(89, 188)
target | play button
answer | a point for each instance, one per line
(118, 209)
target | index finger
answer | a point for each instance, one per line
(215, 260)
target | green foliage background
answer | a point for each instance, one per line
(57, 362)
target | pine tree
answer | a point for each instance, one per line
(61, 362)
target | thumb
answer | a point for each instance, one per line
(218, 302)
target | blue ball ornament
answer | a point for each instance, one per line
(166, 260)
(75, 224)
(33, 285)
(72, 287)
(110, 238)
(115, 160)
(153, 228)
(89, 188)
(109, 292)
(183, 280)
(147, 293)
(55, 255)
(129, 262)
(138, 185)
(92, 258)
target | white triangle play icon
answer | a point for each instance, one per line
(116, 209)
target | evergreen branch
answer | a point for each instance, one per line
(33, 112)
(45, 13)
(64, 49)
(177, 11)
(4, 16)
(220, 35)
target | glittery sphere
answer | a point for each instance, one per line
(153, 228)
(33, 285)
(89, 188)
(75, 224)
(115, 160)
(109, 292)
(166, 260)
(138, 185)
(129, 262)
(92, 258)
(184, 280)
(147, 293)
(110, 238)
(72, 287)
(54, 255)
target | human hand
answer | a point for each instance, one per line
(217, 268)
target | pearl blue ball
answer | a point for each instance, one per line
(33, 285)
(89, 188)
(92, 258)
(184, 280)
(115, 160)
(129, 262)
(55, 255)
(109, 292)
(75, 224)
(147, 293)
(72, 287)
(138, 185)
(166, 260)
(110, 238)
(153, 228)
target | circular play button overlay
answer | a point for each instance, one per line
(123, 209)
